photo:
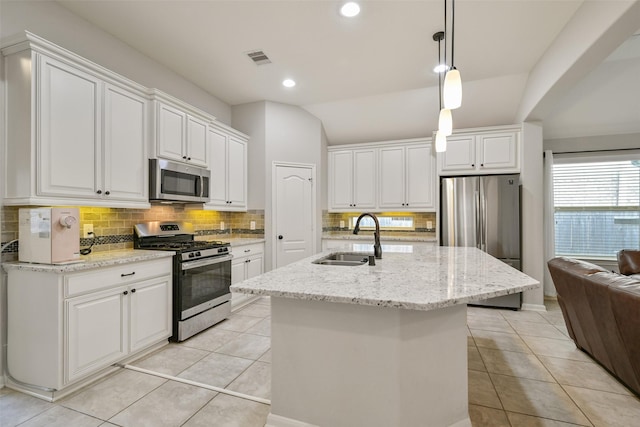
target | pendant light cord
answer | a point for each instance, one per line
(439, 75)
(453, 30)
(445, 37)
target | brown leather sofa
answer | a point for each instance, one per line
(602, 312)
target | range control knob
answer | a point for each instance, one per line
(198, 253)
(191, 255)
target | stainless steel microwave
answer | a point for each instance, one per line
(176, 182)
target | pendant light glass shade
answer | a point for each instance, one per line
(452, 92)
(445, 122)
(441, 142)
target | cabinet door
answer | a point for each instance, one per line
(171, 132)
(392, 178)
(150, 314)
(420, 185)
(218, 165)
(197, 142)
(96, 329)
(125, 146)
(254, 266)
(460, 155)
(236, 173)
(238, 270)
(68, 126)
(341, 179)
(498, 151)
(364, 179)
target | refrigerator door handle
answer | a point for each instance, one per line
(478, 221)
(483, 218)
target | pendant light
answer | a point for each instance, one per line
(452, 92)
(441, 142)
(445, 122)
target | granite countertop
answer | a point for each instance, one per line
(233, 240)
(430, 277)
(94, 260)
(384, 236)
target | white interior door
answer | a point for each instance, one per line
(294, 213)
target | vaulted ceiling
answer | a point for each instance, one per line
(368, 77)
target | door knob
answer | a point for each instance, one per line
(280, 237)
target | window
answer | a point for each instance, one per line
(597, 205)
(386, 223)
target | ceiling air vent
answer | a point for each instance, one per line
(259, 57)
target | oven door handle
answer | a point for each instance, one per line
(204, 262)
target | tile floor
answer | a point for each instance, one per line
(523, 371)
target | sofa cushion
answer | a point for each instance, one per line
(629, 261)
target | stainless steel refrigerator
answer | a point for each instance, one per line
(484, 211)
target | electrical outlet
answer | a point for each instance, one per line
(87, 228)
(221, 225)
(341, 224)
(252, 225)
(429, 225)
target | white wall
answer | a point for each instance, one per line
(280, 133)
(593, 143)
(54, 23)
(250, 119)
(531, 177)
(293, 135)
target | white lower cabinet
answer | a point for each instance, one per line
(96, 329)
(248, 262)
(65, 327)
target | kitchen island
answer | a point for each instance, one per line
(381, 345)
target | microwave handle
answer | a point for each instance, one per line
(199, 185)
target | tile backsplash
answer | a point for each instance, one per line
(421, 220)
(114, 227)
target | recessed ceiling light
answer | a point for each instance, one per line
(288, 83)
(350, 9)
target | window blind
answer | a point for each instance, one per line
(596, 207)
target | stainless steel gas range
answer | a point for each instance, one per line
(201, 275)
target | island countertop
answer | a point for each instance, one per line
(426, 279)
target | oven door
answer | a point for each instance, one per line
(203, 284)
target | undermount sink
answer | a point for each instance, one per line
(351, 259)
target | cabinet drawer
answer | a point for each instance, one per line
(80, 283)
(247, 250)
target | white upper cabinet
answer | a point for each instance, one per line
(398, 175)
(69, 125)
(76, 133)
(180, 131)
(352, 179)
(228, 163)
(125, 158)
(407, 177)
(420, 177)
(481, 152)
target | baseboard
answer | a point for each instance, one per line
(242, 304)
(280, 421)
(533, 307)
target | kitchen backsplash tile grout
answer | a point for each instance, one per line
(114, 227)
